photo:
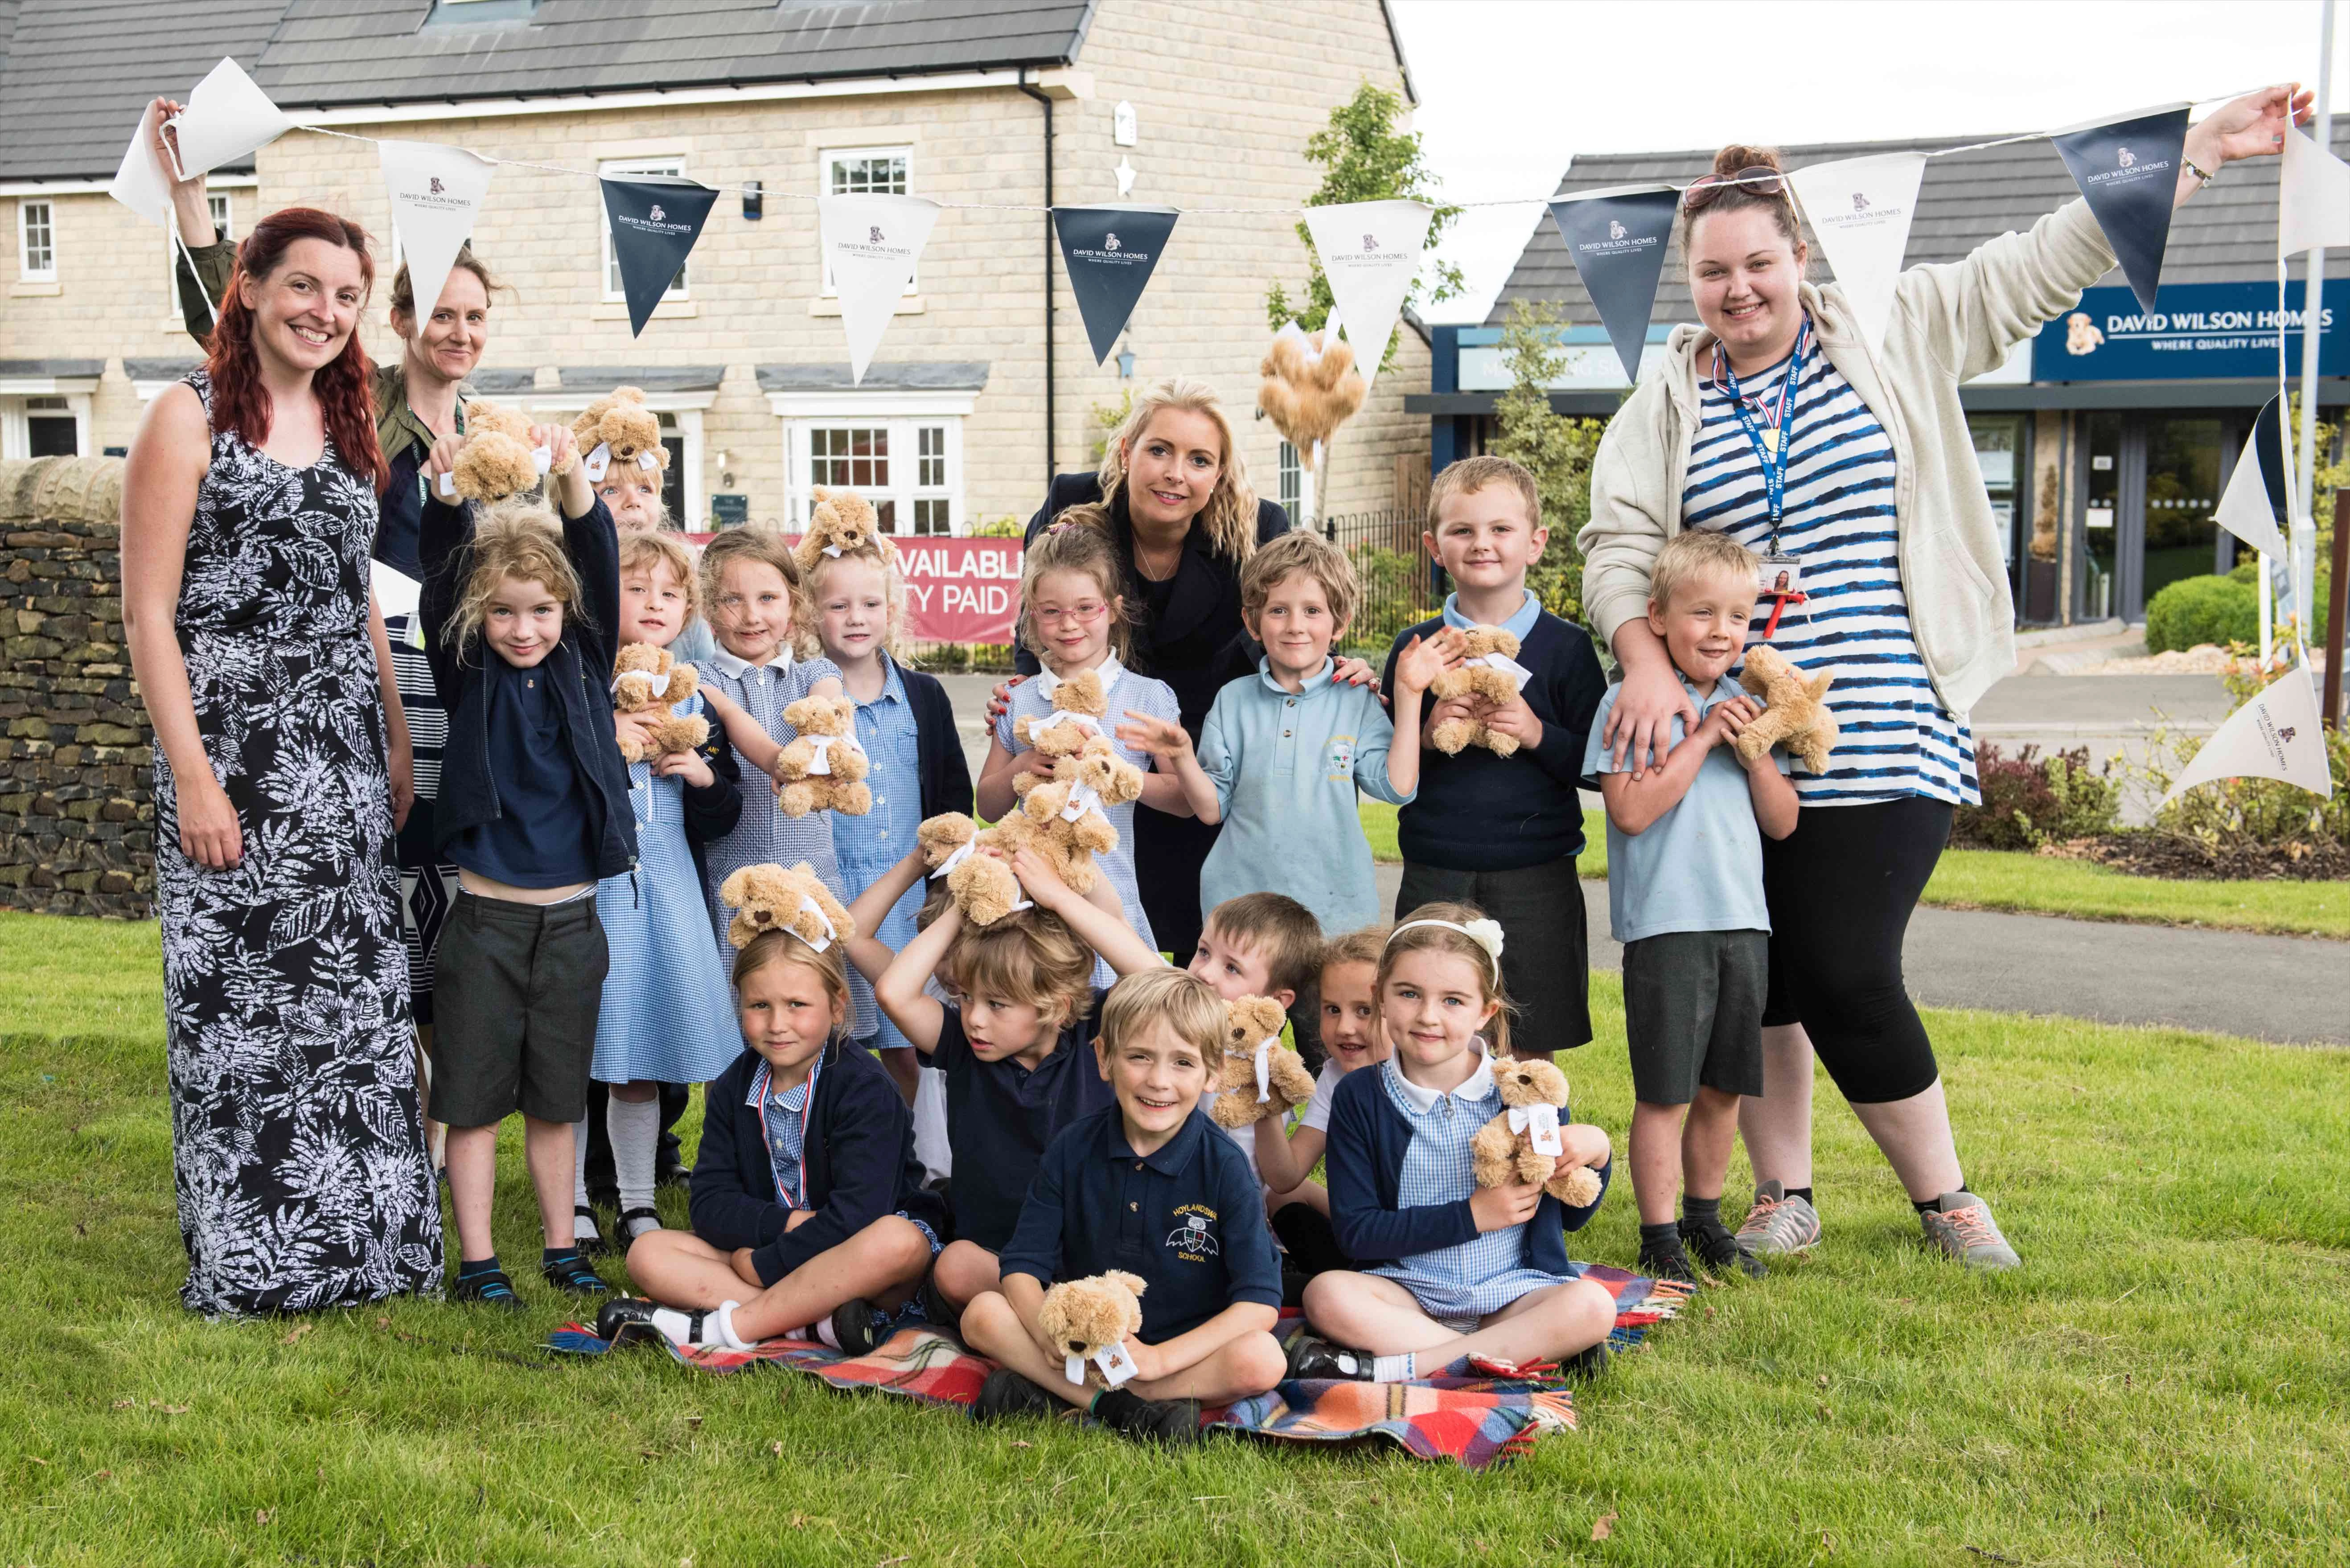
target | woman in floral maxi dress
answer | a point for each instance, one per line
(281, 770)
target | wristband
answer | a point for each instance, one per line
(2202, 175)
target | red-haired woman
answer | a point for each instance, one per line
(282, 771)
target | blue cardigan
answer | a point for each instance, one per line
(1364, 1163)
(860, 1164)
(938, 746)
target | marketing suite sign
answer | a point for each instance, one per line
(2204, 331)
(957, 589)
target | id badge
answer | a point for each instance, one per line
(1778, 575)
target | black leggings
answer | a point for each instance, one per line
(1841, 888)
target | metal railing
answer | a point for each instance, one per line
(1400, 586)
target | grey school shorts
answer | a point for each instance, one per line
(517, 989)
(1693, 1012)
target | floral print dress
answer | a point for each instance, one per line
(298, 1136)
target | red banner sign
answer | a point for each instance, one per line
(957, 590)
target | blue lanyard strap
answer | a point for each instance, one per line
(1772, 457)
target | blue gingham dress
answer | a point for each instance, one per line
(766, 837)
(1839, 524)
(667, 1015)
(868, 846)
(1031, 698)
(1456, 1285)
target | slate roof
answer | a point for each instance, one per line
(73, 74)
(906, 375)
(2225, 235)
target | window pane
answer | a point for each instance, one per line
(931, 516)
(40, 251)
(865, 174)
(887, 511)
(1292, 484)
(222, 228)
(931, 471)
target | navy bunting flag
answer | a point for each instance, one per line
(2127, 167)
(1616, 238)
(655, 220)
(1110, 252)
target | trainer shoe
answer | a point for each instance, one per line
(1960, 1226)
(1778, 1225)
(1006, 1393)
(1719, 1250)
(1173, 1422)
(1318, 1360)
(1666, 1259)
(1586, 1365)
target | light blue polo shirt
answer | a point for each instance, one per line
(1698, 868)
(1286, 767)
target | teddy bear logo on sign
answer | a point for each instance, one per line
(2286, 734)
(2125, 157)
(1370, 242)
(1615, 228)
(1192, 1236)
(434, 180)
(1859, 202)
(874, 230)
(1109, 242)
(656, 215)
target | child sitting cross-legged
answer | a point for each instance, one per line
(807, 1204)
(1685, 897)
(1014, 1049)
(1148, 1187)
(1450, 1269)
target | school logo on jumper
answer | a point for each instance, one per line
(1109, 268)
(1192, 1241)
(1342, 757)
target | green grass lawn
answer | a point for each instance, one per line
(2034, 883)
(2167, 1382)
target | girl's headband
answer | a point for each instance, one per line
(1486, 934)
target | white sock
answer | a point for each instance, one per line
(824, 1331)
(678, 1326)
(1401, 1368)
(582, 1228)
(634, 1127)
(723, 1318)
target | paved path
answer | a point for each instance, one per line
(2287, 989)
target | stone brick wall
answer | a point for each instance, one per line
(76, 819)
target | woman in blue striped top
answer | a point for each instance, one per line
(1848, 467)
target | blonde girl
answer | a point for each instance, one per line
(853, 612)
(1451, 1269)
(1352, 1038)
(666, 1017)
(1074, 616)
(809, 1216)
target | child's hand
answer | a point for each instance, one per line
(1721, 725)
(1450, 707)
(1043, 883)
(1150, 1361)
(686, 765)
(743, 1269)
(1499, 1208)
(999, 702)
(1418, 665)
(1163, 738)
(1585, 1144)
(560, 443)
(1514, 717)
(633, 729)
(441, 460)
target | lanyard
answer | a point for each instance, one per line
(1771, 453)
(798, 1199)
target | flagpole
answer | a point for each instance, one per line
(2302, 564)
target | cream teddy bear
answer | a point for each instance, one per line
(1088, 1321)
(1490, 675)
(771, 899)
(1795, 710)
(1522, 1143)
(822, 768)
(1258, 1076)
(646, 681)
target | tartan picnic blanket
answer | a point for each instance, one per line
(1478, 1421)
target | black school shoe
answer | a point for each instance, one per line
(860, 1326)
(573, 1275)
(1318, 1360)
(1172, 1422)
(1586, 1365)
(941, 1315)
(1666, 1259)
(1719, 1250)
(1006, 1393)
(489, 1288)
(627, 1320)
(599, 1245)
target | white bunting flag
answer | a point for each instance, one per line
(2276, 735)
(436, 193)
(1861, 209)
(396, 593)
(1370, 253)
(872, 245)
(140, 184)
(227, 118)
(2244, 509)
(2314, 200)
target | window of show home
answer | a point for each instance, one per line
(36, 241)
(909, 468)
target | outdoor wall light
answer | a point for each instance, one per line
(1126, 364)
(754, 200)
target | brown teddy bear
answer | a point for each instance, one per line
(840, 520)
(1258, 1076)
(823, 768)
(770, 899)
(1068, 810)
(976, 863)
(497, 459)
(1308, 385)
(1794, 711)
(1080, 704)
(1488, 673)
(1522, 1143)
(620, 429)
(1088, 1321)
(646, 681)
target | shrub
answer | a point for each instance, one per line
(2028, 800)
(2247, 572)
(1395, 594)
(2196, 610)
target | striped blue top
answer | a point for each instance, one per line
(1898, 738)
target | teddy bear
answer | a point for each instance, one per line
(976, 863)
(497, 459)
(1079, 703)
(1308, 385)
(771, 899)
(823, 768)
(1258, 1076)
(1490, 683)
(1068, 810)
(840, 520)
(1089, 1320)
(620, 429)
(645, 679)
(1794, 711)
(1522, 1143)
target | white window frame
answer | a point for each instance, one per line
(222, 204)
(904, 415)
(17, 414)
(828, 158)
(685, 409)
(1290, 478)
(25, 271)
(623, 168)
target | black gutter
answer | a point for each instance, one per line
(1051, 456)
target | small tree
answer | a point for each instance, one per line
(1556, 449)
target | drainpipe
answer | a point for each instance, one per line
(1051, 466)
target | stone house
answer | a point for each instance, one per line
(966, 411)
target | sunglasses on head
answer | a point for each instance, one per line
(1761, 181)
